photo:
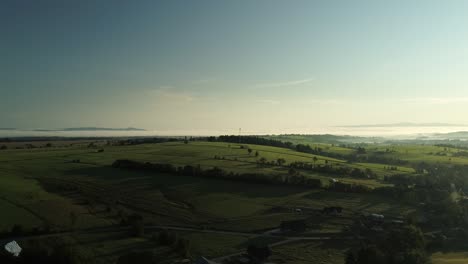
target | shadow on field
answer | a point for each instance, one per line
(193, 185)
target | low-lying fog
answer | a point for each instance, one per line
(403, 132)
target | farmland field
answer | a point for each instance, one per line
(449, 258)
(74, 187)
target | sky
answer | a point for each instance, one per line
(223, 65)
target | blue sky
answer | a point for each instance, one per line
(214, 65)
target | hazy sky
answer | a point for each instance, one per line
(219, 65)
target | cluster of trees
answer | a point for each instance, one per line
(374, 158)
(400, 246)
(166, 238)
(173, 240)
(138, 141)
(292, 178)
(349, 187)
(460, 154)
(436, 176)
(360, 154)
(439, 192)
(18, 230)
(335, 170)
(27, 146)
(253, 140)
(215, 172)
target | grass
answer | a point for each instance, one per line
(106, 247)
(450, 258)
(412, 153)
(329, 252)
(42, 186)
(11, 215)
(219, 245)
(181, 198)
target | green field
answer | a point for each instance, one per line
(329, 252)
(450, 258)
(42, 187)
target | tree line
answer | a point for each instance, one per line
(291, 178)
(335, 170)
(405, 245)
(216, 172)
(359, 155)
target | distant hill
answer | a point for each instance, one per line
(409, 124)
(7, 128)
(90, 129)
(454, 135)
(102, 129)
(324, 138)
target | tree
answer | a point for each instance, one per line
(370, 255)
(257, 154)
(3, 147)
(280, 161)
(314, 159)
(292, 171)
(408, 242)
(361, 150)
(249, 150)
(405, 245)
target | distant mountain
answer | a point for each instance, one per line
(409, 124)
(90, 129)
(458, 133)
(101, 129)
(453, 135)
(324, 138)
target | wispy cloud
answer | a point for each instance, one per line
(437, 100)
(283, 84)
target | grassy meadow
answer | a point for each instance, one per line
(44, 187)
